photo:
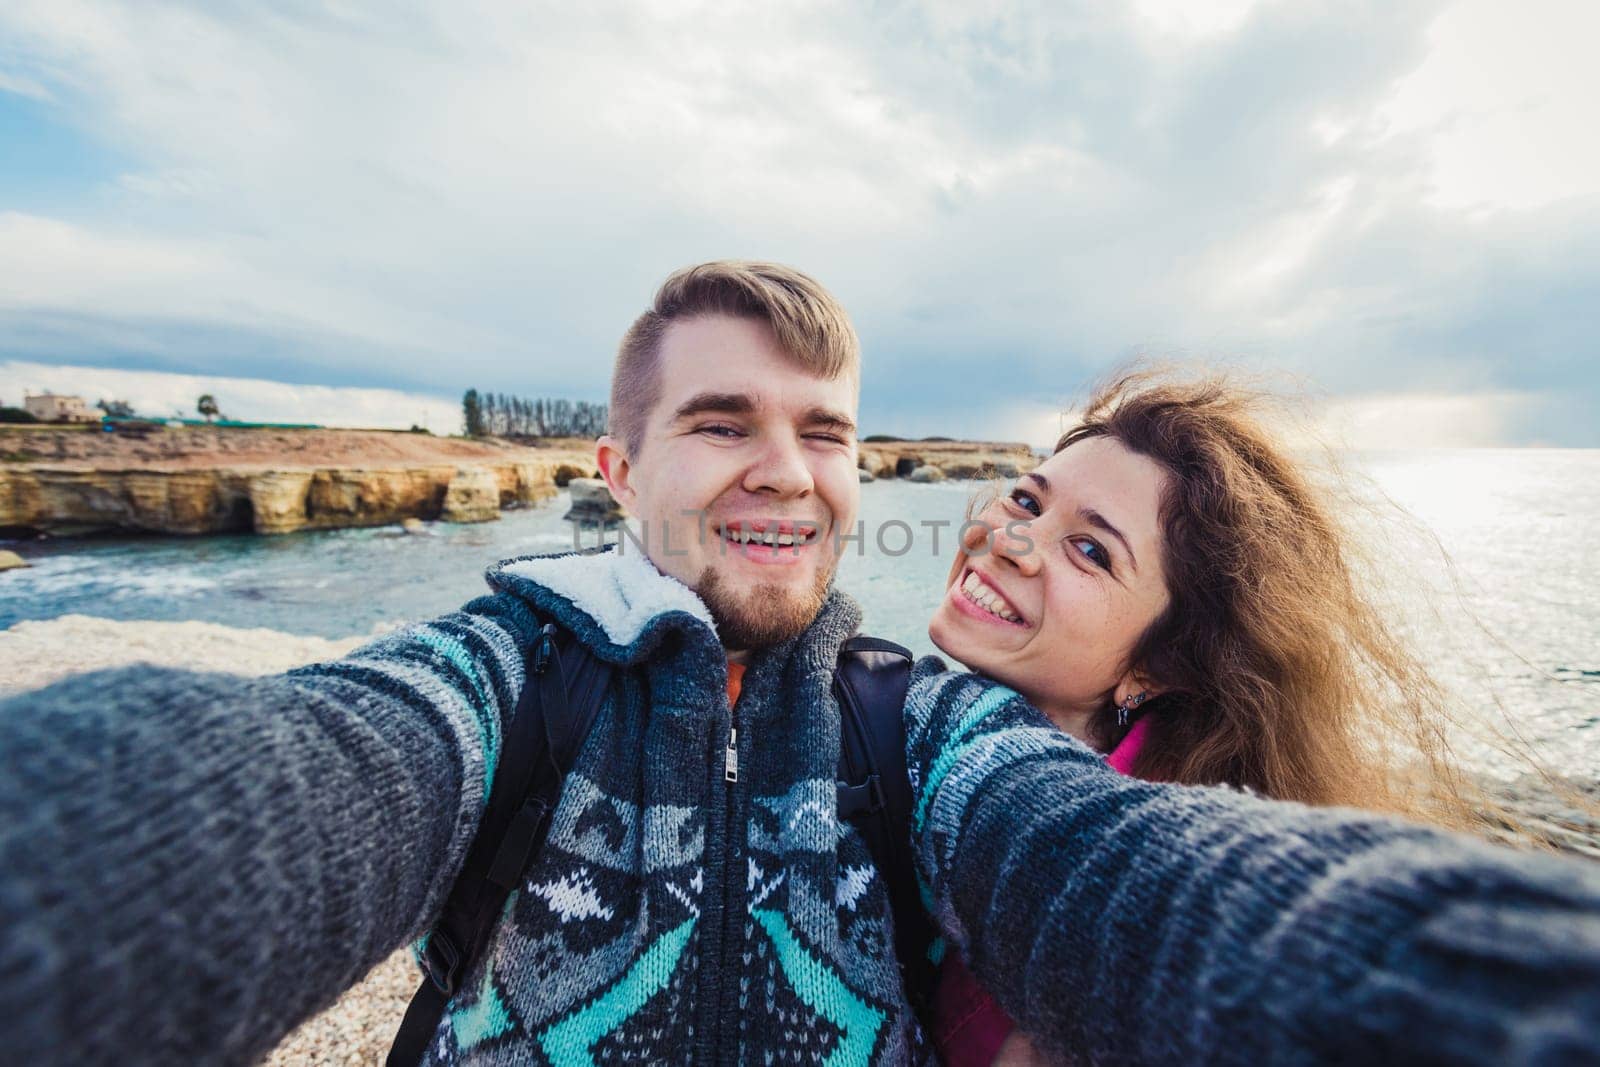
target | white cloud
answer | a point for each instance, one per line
(10, 83)
(159, 394)
(1503, 100)
(485, 194)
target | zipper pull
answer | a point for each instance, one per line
(730, 764)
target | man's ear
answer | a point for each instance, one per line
(615, 469)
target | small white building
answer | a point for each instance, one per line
(48, 407)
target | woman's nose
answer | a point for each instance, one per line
(1014, 543)
(1008, 540)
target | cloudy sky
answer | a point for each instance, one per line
(1395, 206)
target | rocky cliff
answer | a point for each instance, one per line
(953, 459)
(270, 501)
(206, 482)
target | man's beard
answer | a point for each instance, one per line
(763, 615)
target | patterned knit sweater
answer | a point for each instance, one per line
(1121, 921)
(191, 864)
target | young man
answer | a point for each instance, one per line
(695, 899)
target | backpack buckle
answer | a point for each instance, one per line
(546, 647)
(441, 960)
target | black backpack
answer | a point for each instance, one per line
(565, 687)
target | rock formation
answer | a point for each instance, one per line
(205, 482)
(473, 495)
(593, 504)
(952, 459)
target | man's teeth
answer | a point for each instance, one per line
(986, 598)
(769, 537)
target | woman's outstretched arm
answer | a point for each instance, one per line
(1125, 921)
(191, 864)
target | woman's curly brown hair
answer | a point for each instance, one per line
(1279, 674)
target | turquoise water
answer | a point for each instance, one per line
(1512, 621)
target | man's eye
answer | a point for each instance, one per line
(725, 432)
(1026, 501)
(831, 438)
(1092, 551)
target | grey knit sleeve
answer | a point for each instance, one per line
(191, 864)
(1124, 921)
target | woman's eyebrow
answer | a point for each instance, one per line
(1100, 522)
(1090, 516)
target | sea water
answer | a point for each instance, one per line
(1505, 602)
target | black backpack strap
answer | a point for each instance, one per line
(564, 688)
(874, 792)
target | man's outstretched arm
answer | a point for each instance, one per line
(1125, 921)
(191, 864)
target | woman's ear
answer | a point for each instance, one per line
(1136, 685)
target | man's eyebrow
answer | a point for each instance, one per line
(1092, 517)
(721, 403)
(833, 420)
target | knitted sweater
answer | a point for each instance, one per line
(191, 864)
(1121, 921)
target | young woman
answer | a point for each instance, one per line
(1171, 587)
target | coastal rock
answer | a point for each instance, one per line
(566, 472)
(955, 459)
(927, 474)
(593, 504)
(10, 561)
(207, 480)
(267, 501)
(381, 497)
(473, 495)
(278, 500)
(866, 476)
(185, 502)
(413, 526)
(878, 462)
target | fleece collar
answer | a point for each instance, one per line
(614, 600)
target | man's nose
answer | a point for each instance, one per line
(780, 469)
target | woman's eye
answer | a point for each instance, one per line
(1026, 501)
(1092, 551)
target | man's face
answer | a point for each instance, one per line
(745, 477)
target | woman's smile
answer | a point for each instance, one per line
(977, 597)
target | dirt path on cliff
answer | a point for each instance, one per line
(202, 448)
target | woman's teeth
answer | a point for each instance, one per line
(981, 595)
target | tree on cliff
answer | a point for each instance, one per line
(207, 406)
(472, 413)
(500, 414)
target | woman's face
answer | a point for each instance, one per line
(1070, 575)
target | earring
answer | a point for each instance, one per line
(1127, 705)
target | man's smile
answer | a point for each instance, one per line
(770, 540)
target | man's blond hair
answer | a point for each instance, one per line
(810, 326)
